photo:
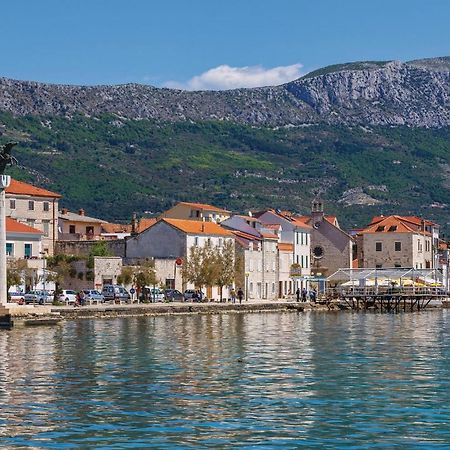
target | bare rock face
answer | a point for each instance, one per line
(415, 94)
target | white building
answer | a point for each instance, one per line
(173, 238)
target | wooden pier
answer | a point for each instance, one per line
(387, 299)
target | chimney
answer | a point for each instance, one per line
(133, 224)
(81, 212)
(64, 211)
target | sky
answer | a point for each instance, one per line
(210, 44)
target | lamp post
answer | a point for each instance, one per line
(247, 274)
(5, 180)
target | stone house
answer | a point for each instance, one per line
(35, 207)
(78, 227)
(395, 241)
(173, 238)
(331, 247)
(196, 211)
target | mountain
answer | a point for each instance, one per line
(368, 137)
(415, 93)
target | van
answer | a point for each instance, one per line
(115, 292)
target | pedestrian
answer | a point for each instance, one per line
(233, 295)
(297, 294)
(304, 294)
(240, 294)
(82, 298)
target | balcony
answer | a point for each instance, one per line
(78, 237)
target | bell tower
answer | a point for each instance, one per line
(317, 210)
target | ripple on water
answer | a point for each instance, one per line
(268, 380)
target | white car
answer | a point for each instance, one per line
(68, 296)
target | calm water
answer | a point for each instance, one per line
(271, 380)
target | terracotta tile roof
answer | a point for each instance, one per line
(75, 217)
(21, 188)
(392, 224)
(244, 235)
(198, 227)
(269, 236)
(412, 219)
(12, 226)
(285, 247)
(272, 226)
(144, 223)
(116, 228)
(204, 206)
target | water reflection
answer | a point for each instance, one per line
(275, 379)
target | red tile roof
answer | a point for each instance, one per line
(392, 224)
(198, 227)
(21, 188)
(12, 226)
(145, 222)
(285, 247)
(204, 206)
(269, 236)
(116, 228)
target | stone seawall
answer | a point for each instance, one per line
(111, 311)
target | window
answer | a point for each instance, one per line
(28, 250)
(378, 266)
(46, 206)
(251, 287)
(393, 228)
(273, 288)
(296, 237)
(72, 229)
(251, 266)
(196, 241)
(31, 222)
(427, 245)
(273, 266)
(419, 246)
(90, 230)
(378, 246)
(397, 265)
(302, 262)
(31, 205)
(296, 259)
(220, 242)
(306, 238)
(318, 252)
(46, 227)
(306, 261)
(12, 204)
(398, 246)
(380, 228)
(9, 249)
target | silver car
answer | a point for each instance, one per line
(92, 294)
(38, 297)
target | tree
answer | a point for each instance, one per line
(60, 267)
(193, 267)
(144, 275)
(126, 275)
(224, 266)
(100, 248)
(15, 273)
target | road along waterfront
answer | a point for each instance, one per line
(319, 380)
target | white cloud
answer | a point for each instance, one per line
(227, 77)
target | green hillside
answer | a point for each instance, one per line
(112, 167)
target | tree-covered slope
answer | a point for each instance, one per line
(113, 167)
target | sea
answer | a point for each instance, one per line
(326, 380)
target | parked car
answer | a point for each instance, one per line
(16, 297)
(92, 294)
(68, 296)
(112, 292)
(189, 294)
(173, 295)
(153, 294)
(38, 297)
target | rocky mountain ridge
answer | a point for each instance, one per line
(415, 93)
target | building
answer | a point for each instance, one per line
(297, 233)
(24, 246)
(35, 207)
(78, 227)
(172, 239)
(196, 211)
(396, 241)
(256, 246)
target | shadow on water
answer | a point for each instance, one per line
(319, 380)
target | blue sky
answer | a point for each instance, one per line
(210, 43)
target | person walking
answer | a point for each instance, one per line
(233, 295)
(297, 294)
(240, 294)
(304, 294)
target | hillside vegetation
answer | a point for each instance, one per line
(112, 167)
